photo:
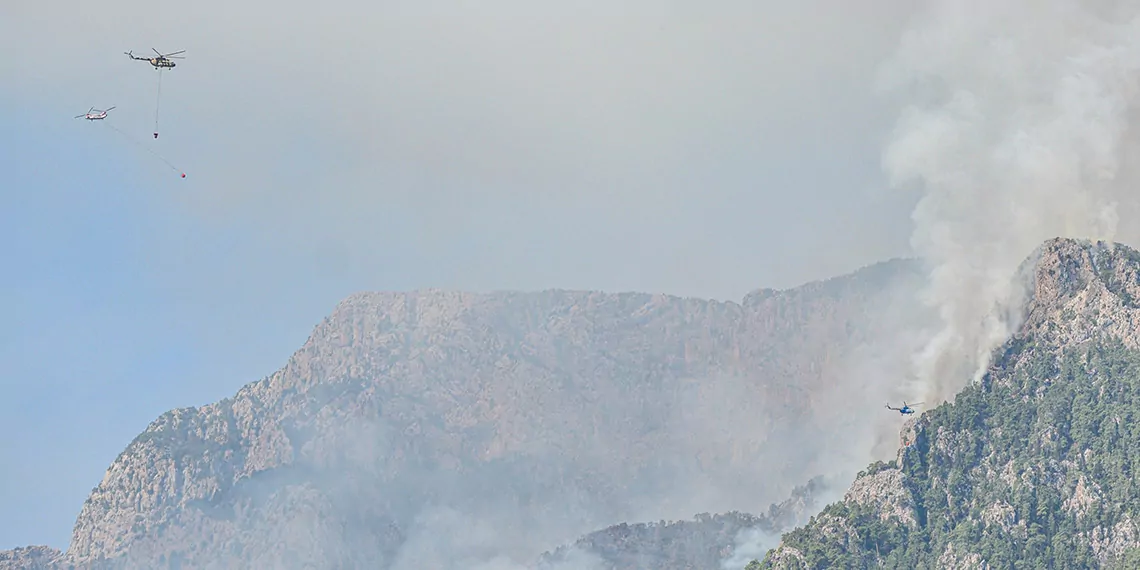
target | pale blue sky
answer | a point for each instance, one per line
(659, 148)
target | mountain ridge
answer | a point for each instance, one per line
(213, 468)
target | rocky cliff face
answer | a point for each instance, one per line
(436, 427)
(1035, 465)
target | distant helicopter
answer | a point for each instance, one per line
(94, 114)
(905, 409)
(160, 62)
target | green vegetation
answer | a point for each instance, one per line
(676, 544)
(699, 543)
(1021, 471)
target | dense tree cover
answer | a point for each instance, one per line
(685, 545)
(1029, 468)
(664, 545)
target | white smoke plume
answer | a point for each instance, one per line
(444, 537)
(751, 544)
(1016, 134)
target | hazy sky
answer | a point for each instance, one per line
(691, 148)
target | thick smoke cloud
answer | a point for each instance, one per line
(448, 538)
(1018, 131)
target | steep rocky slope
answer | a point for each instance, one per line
(505, 423)
(1033, 467)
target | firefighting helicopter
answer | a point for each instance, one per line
(162, 61)
(94, 114)
(905, 409)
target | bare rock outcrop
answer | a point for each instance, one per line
(30, 558)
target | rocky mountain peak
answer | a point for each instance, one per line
(1082, 288)
(1068, 272)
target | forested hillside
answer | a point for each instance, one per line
(707, 541)
(1033, 467)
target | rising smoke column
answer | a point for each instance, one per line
(1015, 134)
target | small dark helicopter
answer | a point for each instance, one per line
(905, 409)
(160, 62)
